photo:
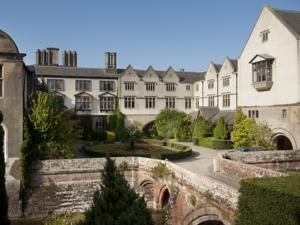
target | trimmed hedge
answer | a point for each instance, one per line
(272, 200)
(172, 150)
(211, 142)
(179, 151)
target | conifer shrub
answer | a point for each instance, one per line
(221, 131)
(272, 200)
(116, 203)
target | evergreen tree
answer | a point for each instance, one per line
(3, 195)
(116, 203)
(220, 131)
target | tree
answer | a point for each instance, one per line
(115, 123)
(47, 123)
(221, 131)
(116, 203)
(171, 123)
(46, 115)
(248, 133)
(3, 195)
(202, 128)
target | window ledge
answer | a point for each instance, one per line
(263, 85)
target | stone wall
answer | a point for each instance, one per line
(281, 161)
(68, 186)
(242, 170)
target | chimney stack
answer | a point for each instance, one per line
(47, 57)
(69, 58)
(110, 60)
(38, 57)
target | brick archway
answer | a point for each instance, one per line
(163, 197)
(205, 215)
(146, 188)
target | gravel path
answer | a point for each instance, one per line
(202, 163)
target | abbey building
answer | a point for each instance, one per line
(264, 81)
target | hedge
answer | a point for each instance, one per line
(179, 151)
(176, 151)
(211, 142)
(272, 200)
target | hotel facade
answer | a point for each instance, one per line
(264, 81)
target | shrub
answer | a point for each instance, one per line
(161, 170)
(55, 150)
(64, 219)
(110, 136)
(171, 123)
(116, 202)
(247, 133)
(221, 131)
(272, 200)
(202, 128)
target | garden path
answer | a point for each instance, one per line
(201, 162)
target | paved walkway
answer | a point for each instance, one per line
(202, 163)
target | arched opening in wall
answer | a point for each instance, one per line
(147, 189)
(149, 129)
(283, 143)
(164, 197)
(212, 222)
(5, 139)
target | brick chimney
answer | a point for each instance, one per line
(69, 58)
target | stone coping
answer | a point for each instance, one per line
(220, 191)
(241, 169)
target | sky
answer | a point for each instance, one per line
(184, 34)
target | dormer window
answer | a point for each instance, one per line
(264, 35)
(262, 72)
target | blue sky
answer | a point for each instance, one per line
(184, 34)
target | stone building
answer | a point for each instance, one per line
(14, 86)
(269, 75)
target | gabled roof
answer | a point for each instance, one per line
(184, 77)
(83, 93)
(234, 63)
(74, 72)
(216, 66)
(290, 18)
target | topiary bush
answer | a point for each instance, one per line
(272, 200)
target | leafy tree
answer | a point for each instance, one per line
(3, 195)
(116, 203)
(115, 123)
(243, 133)
(248, 133)
(221, 131)
(239, 116)
(171, 123)
(46, 115)
(202, 128)
(134, 132)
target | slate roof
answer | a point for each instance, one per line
(228, 116)
(234, 62)
(291, 19)
(62, 71)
